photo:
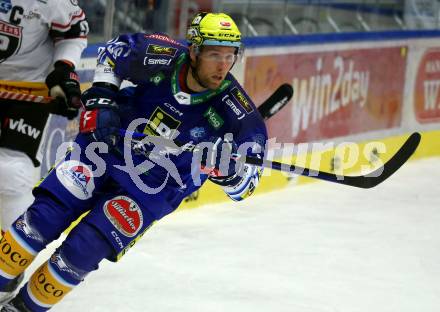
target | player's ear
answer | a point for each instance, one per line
(193, 51)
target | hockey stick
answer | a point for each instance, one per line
(50, 104)
(276, 101)
(24, 97)
(362, 181)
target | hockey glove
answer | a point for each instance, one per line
(218, 161)
(100, 119)
(63, 84)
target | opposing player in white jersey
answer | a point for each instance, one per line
(41, 42)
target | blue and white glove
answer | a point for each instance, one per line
(100, 119)
(238, 180)
(245, 183)
(218, 162)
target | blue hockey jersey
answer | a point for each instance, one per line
(158, 107)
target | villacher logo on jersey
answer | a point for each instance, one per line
(125, 214)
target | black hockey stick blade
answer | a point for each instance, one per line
(362, 181)
(276, 101)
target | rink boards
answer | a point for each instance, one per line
(372, 89)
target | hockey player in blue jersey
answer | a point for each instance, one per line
(194, 116)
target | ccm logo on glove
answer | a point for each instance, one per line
(99, 101)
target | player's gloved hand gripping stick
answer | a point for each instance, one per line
(63, 84)
(64, 88)
(220, 163)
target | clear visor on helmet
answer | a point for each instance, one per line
(218, 57)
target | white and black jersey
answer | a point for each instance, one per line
(36, 33)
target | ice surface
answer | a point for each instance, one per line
(316, 248)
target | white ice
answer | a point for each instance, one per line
(316, 248)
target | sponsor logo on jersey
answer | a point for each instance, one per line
(5, 6)
(156, 79)
(22, 224)
(197, 133)
(31, 15)
(242, 100)
(77, 178)
(154, 61)
(21, 127)
(125, 214)
(183, 98)
(214, 118)
(118, 240)
(108, 69)
(59, 262)
(15, 256)
(163, 38)
(233, 107)
(161, 124)
(161, 50)
(10, 39)
(173, 109)
(47, 287)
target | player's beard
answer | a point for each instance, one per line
(202, 81)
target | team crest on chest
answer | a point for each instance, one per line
(10, 39)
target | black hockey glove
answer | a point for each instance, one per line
(63, 84)
(101, 118)
(218, 161)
